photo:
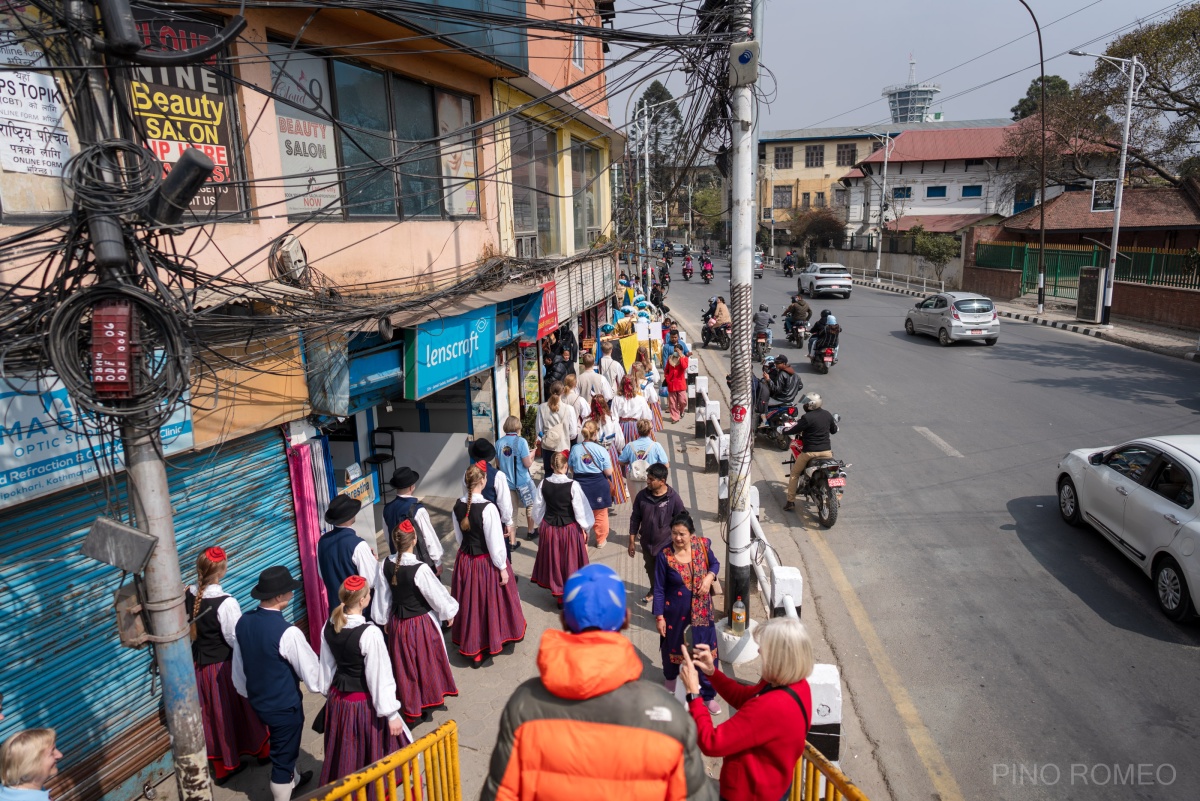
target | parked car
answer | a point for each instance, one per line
(678, 249)
(825, 279)
(758, 265)
(656, 245)
(954, 316)
(1141, 497)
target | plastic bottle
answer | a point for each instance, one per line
(737, 621)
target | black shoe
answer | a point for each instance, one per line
(305, 778)
(789, 506)
(647, 599)
(532, 535)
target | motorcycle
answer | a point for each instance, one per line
(797, 333)
(707, 273)
(773, 427)
(823, 484)
(722, 335)
(821, 360)
(687, 271)
(789, 270)
(761, 345)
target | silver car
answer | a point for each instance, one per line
(825, 279)
(953, 316)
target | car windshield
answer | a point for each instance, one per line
(835, 270)
(974, 306)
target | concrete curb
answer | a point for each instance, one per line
(1192, 356)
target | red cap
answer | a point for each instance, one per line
(215, 554)
(354, 583)
(406, 526)
(482, 465)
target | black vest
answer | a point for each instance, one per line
(407, 599)
(209, 647)
(559, 511)
(473, 542)
(348, 676)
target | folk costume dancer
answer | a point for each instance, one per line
(563, 516)
(405, 506)
(341, 553)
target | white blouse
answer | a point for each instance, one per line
(566, 415)
(228, 613)
(611, 434)
(579, 504)
(433, 590)
(635, 407)
(377, 669)
(493, 531)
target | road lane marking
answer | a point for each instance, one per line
(877, 396)
(943, 780)
(943, 446)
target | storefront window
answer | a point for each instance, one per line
(535, 189)
(420, 184)
(365, 138)
(585, 174)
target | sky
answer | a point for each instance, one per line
(831, 60)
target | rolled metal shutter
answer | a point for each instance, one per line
(63, 666)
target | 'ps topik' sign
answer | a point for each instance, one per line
(442, 352)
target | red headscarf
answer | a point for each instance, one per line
(599, 408)
(215, 554)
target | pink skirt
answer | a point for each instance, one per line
(231, 729)
(620, 491)
(355, 736)
(423, 677)
(489, 615)
(561, 550)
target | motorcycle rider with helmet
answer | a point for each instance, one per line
(785, 385)
(814, 429)
(789, 263)
(825, 334)
(799, 310)
(762, 323)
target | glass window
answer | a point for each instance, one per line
(781, 197)
(935, 191)
(1175, 484)
(847, 155)
(839, 197)
(365, 140)
(308, 154)
(535, 185)
(783, 158)
(902, 193)
(578, 53)
(456, 113)
(974, 306)
(585, 179)
(974, 163)
(973, 191)
(1131, 461)
(814, 156)
(819, 200)
(420, 184)
(805, 200)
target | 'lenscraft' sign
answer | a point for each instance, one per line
(442, 352)
(47, 443)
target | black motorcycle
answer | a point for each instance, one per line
(797, 333)
(722, 334)
(774, 425)
(821, 360)
(822, 484)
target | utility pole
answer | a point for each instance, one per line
(649, 271)
(1106, 316)
(743, 156)
(888, 144)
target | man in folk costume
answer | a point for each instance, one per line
(270, 659)
(495, 487)
(405, 506)
(342, 553)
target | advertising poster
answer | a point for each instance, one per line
(307, 150)
(530, 373)
(175, 108)
(47, 443)
(445, 351)
(32, 137)
(457, 155)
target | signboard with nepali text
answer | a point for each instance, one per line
(446, 350)
(47, 443)
(175, 108)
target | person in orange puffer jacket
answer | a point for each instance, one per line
(558, 731)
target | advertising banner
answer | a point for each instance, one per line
(548, 319)
(47, 443)
(458, 155)
(444, 351)
(175, 108)
(32, 137)
(307, 150)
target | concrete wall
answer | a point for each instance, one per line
(902, 263)
(1179, 308)
(996, 284)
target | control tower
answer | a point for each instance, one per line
(910, 102)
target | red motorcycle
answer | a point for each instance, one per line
(688, 270)
(822, 360)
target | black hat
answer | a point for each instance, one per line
(342, 509)
(482, 451)
(405, 477)
(274, 581)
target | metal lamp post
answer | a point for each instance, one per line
(888, 145)
(1131, 67)
(1042, 203)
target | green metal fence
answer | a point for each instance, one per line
(1152, 266)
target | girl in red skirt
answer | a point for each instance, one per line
(362, 716)
(484, 583)
(409, 599)
(563, 515)
(231, 729)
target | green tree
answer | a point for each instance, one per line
(815, 226)
(708, 206)
(665, 125)
(1028, 105)
(937, 250)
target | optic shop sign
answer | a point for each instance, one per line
(47, 443)
(443, 352)
(189, 106)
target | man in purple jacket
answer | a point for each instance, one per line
(653, 509)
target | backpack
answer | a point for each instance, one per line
(555, 437)
(639, 470)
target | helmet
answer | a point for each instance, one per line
(762, 307)
(831, 320)
(781, 359)
(713, 299)
(811, 402)
(825, 312)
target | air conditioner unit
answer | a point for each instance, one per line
(289, 262)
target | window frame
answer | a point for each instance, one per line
(939, 192)
(775, 194)
(976, 191)
(1167, 463)
(814, 156)
(1146, 471)
(783, 153)
(901, 193)
(335, 109)
(842, 149)
(590, 187)
(805, 201)
(578, 52)
(818, 200)
(555, 226)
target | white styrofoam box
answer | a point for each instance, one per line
(702, 384)
(826, 685)
(723, 454)
(722, 486)
(788, 580)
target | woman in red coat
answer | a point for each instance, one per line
(764, 739)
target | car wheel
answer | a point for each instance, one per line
(944, 338)
(1174, 598)
(991, 341)
(1068, 501)
(909, 328)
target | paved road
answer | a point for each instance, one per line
(991, 650)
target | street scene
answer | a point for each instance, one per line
(721, 400)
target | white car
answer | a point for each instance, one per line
(1142, 497)
(825, 279)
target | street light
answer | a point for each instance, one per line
(888, 145)
(1131, 67)
(644, 109)
(1042, 202)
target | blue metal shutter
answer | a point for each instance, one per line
(62, 664)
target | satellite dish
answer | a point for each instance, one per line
(289, 262)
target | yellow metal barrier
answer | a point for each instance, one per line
(811, 770)
(427, 770)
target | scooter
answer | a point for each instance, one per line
(722, 334)
(706, 272)
(775, 424)
(797, 333)
(687, 270)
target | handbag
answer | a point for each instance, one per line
(318, 724)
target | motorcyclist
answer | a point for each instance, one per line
(817, 328)
(826, 336)
(687, 262)
(799, 310)
(785, 384)
(762, 323)
(706, 267)
(814, 429)
(789, 262)
(656, 297)
(707, 250)
(720, 313)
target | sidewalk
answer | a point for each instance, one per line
(483, 692)
(1058, 314)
